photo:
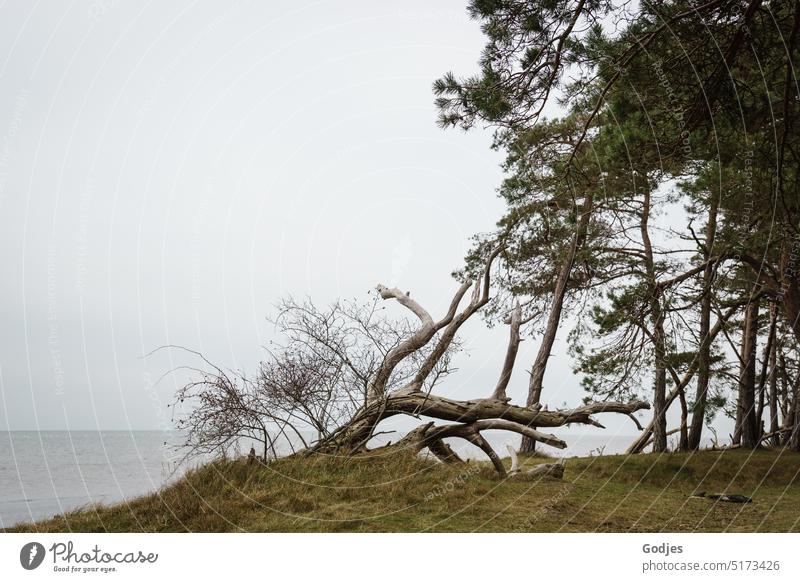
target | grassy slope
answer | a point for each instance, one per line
(404, 493)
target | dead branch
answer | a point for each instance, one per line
(428, 329)
(554, 470)
(515, 320)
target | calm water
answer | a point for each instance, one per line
(46, 473)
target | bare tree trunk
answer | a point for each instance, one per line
(787, 400)
(704, 355)
(659, 338)
(659, 387)
(514, 322)
(703, 376)
(683, 445)
(554, 317)
(746, 431)
(473, 416)
(773, 397)
(765, 366)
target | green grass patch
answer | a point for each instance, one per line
(401, 492)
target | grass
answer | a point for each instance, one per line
(402, 492)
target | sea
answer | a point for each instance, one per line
(46, 473)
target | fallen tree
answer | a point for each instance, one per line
(472, 416)
(396, 375)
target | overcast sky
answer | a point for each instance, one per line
(169, 170)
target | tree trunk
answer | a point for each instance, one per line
(554, 317)
(773, 397)
(704, 355)
(660, 388)
(473, 417)
(659, 338)
(703, 375)
(746, 432)
(683, 444)
(765, 366)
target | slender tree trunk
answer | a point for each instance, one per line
(659, 338)
(660, 386)
(554, 317)
(746, 432)
(704, 356)
(703, 376)
(684, 429)
(765, 366)
(787, 401)
(773, 397)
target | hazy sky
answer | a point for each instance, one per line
(170, 169)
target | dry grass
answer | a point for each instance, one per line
(400, 492)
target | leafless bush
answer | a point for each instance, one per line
(313, 384)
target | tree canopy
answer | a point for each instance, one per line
(651, 165)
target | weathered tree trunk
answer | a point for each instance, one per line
(554, 317)
(481, 414)
(761, 387)
(514, 321)
(773, 397)
(658, 336)
(683, 443)
(746, 430)
(703, 376)
(704, 353)
(660, 389)
(787, 387)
